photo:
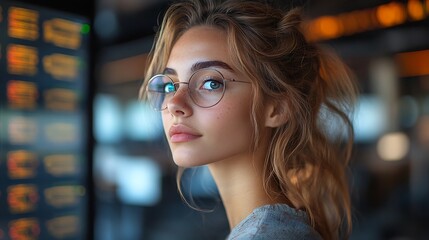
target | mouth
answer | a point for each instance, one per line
(182, 133)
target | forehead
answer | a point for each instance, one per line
(199, 44)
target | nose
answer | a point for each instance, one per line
(179, 103)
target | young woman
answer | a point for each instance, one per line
(242, 91)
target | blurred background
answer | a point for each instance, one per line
(82, 158)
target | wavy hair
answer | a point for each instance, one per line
(307, 157)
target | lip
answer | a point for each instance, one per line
(182, 133)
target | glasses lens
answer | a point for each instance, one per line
(206, 87)
(158, 88)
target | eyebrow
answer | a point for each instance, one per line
(200, 65)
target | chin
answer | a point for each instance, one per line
(186, 163)
(189, 161)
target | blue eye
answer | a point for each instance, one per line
(169, 88)
(212, 85)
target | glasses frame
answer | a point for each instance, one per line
(176, 88)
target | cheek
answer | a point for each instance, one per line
(224, 113)
(233, 122)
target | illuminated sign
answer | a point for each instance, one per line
(21, 94)
(22, 198)
(22, 60)
(60, 99)
(22, 130)
(22, 164)
(413, 63)
(63, 227)
(43, 125)
(24, 229)
(383, 16)
(61, 164)
(64, 196)
(60, 66)
(23, 23)
(61, 133)
(63, 33)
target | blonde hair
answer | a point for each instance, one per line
(306, 160)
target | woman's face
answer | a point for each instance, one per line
(196, 135)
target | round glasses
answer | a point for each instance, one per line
(206, 88)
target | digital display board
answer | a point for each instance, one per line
(43, 123)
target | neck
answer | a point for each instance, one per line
(240, 185)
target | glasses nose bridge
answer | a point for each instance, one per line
(177, 86)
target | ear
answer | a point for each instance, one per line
(276, 114)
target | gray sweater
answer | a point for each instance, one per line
(274, 222)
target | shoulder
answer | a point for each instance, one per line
(279, 222)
